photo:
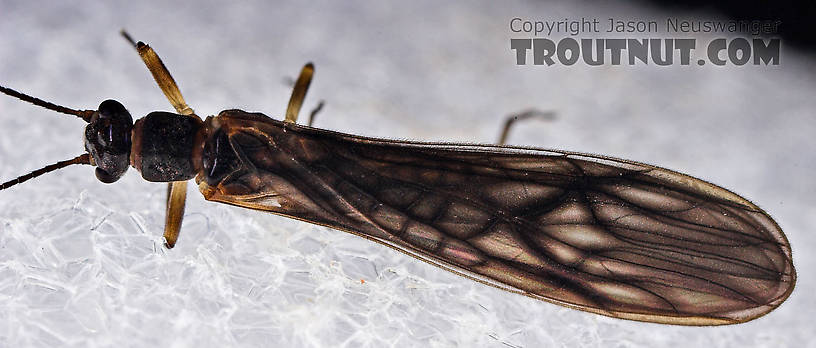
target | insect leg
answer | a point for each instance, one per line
(299, 92)
(176, 197)
(177, 190)
(524, 115)
(315, 111)
(161, 75)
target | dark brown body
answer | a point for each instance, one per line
(599, 234)
(609, 236)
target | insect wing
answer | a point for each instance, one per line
(609, 236)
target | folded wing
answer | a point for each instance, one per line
(609, 236)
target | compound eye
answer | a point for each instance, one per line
(104, 177)
(113, 126)
(114, 109)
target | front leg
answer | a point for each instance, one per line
(176, 191)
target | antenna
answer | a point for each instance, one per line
(81, 159)
(83, 114)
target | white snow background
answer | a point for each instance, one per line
(82, 263)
